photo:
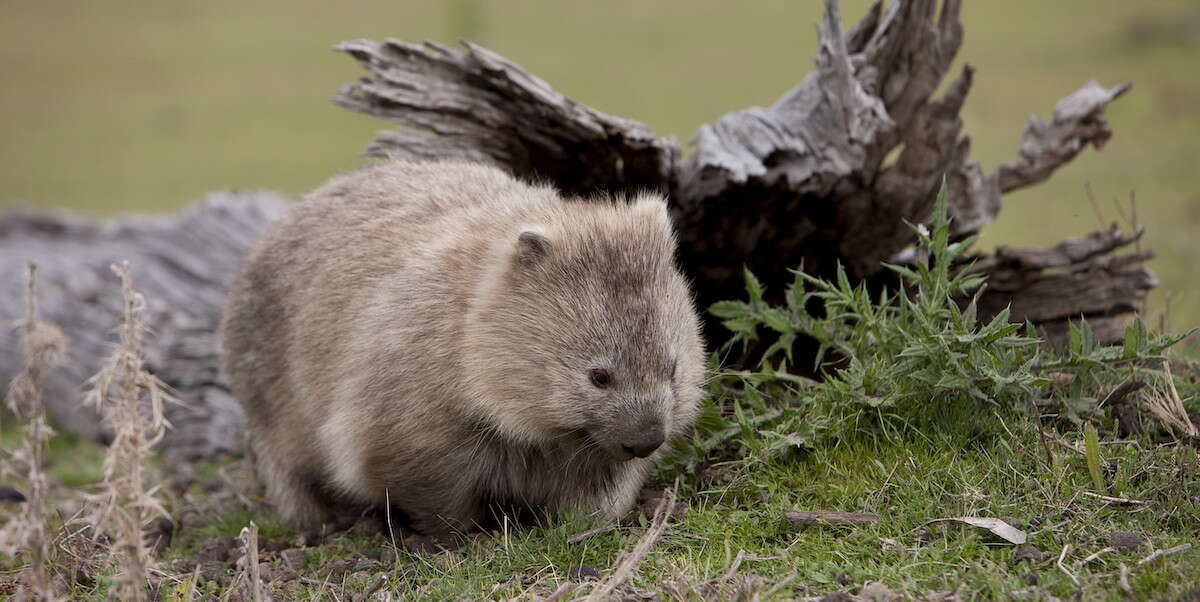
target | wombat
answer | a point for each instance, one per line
(444, 338)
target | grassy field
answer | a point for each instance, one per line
(125, 105)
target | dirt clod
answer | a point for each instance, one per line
(1028, 552)
(1126, 541)
(293, 558)
(336, 569)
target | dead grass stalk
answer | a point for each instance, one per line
(131, 400)
(43, 346)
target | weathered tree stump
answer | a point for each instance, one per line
(832, 173)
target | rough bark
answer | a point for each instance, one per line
(1079, 278)
(182, 263)
(832, 172)
(474, 104)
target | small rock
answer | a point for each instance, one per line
(271, 573)
(336, 569)
(1126, 541)
(293, 559)
(360, 576)
(875, 591)
(583, 572)
(843, 579)
(10, 495)
(1028, 552)
(1031, 579)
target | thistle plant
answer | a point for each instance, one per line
(131, 400)
(43, 346)
(888, 358)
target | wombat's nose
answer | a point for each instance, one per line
(645, 442)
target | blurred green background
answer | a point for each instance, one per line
(129, 105)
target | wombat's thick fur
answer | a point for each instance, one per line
(445, 337)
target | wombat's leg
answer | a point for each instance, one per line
(615, 503)
(295, 497)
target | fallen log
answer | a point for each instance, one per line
(834, 172)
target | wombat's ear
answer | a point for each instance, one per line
(532, 246)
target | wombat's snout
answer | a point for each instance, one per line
(644, 441)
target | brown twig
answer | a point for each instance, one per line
(1167, 552)
(1062, 567)
(628, 563)
(805, 517)
(1101, 552)
(1037, 419)
(590, 533)
(1115, 500)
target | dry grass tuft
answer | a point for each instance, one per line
(44, 347)
(627, 563)
(131, 400)
(1162, 399)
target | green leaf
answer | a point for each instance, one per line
(754, 288)
(730, 309)
(741, 325)
(776, 319)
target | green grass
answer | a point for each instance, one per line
(991, 465)
(124, 106)
(988, 465)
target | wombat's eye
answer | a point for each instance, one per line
(600, 377)
(674, 368)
